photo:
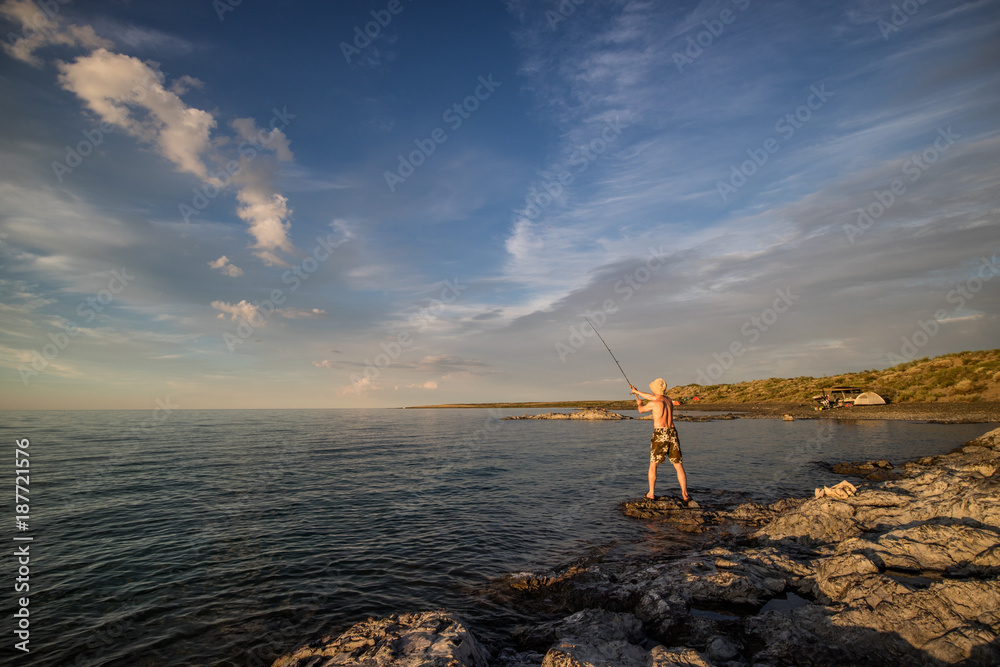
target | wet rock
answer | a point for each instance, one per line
(580, 653)
(720, 649)
(880, 470)
(685, 515)
(422, 639)
(508, 657)
(597, 637)
(588, 625)
(713, 509)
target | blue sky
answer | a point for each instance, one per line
(238, 206)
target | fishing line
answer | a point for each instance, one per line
(609, 350)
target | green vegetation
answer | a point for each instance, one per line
(962, 376)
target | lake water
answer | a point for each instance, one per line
(229, 537)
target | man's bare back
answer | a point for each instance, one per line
(663, 412)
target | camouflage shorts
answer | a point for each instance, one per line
(665, 445)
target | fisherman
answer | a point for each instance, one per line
(665, 443)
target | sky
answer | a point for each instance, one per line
(223, 204)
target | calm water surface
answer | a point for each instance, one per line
(230, 537)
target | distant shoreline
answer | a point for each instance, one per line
(950, 412)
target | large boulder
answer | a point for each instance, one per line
(422, 639)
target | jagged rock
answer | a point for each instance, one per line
(508, 657)
(597, 637)
(948, 620)
(593, 624)
(947, 548)
(677, 657)
(580, 653)
(423, 639)
(941, 520)
(787, 638)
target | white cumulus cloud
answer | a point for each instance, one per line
(226, 267)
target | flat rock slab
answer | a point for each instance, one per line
(429, 638)
(685, 515)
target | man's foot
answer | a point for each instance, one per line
(686, 497)
(650, 496)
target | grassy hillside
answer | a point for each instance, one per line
(963, 376)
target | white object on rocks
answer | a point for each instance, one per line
(843, 490)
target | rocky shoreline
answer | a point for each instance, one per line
(906, 572)
(938, 413)
(600, 414)
(947, 413)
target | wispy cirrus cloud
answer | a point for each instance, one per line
(42, 28)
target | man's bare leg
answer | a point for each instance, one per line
(682, 480)
(652, 480)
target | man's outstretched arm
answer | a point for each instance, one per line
(648, 407)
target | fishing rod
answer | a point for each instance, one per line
(609, 350)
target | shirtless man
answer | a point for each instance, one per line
(665, 444)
